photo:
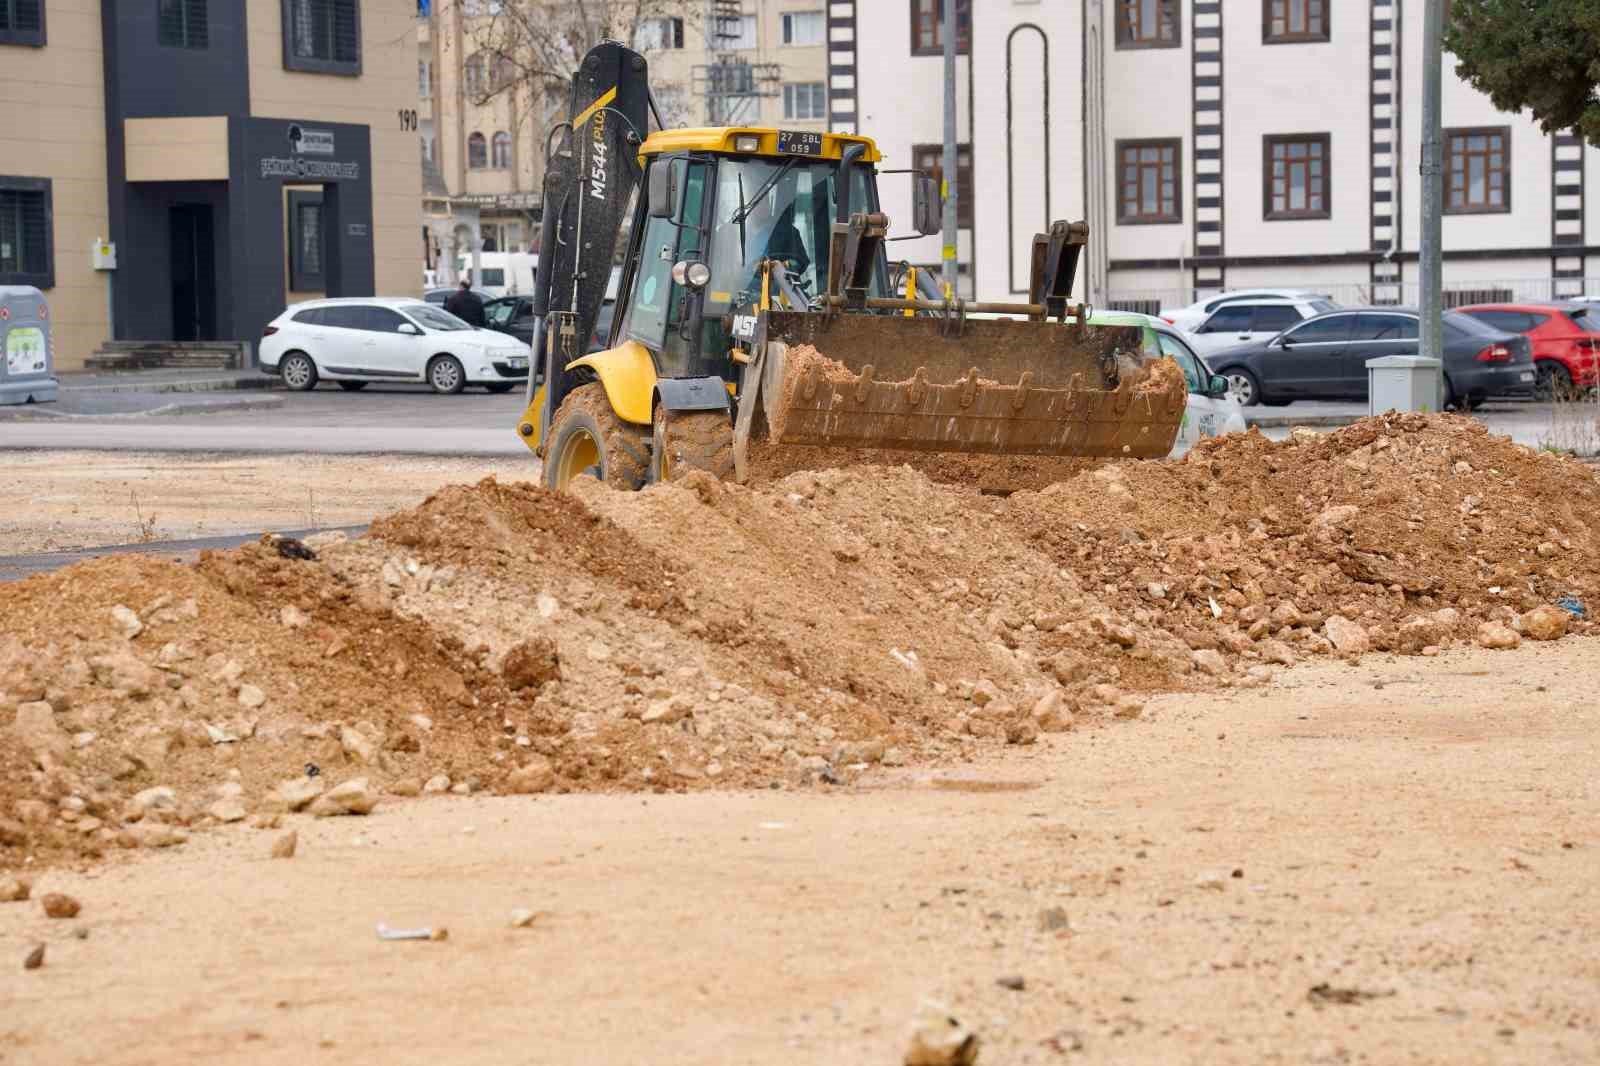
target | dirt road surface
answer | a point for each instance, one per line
(83, 499)
(1323, 870)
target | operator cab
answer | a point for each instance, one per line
(721, 215)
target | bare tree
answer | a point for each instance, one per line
(528, 49)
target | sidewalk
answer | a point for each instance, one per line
(160, 381)
(145, 393)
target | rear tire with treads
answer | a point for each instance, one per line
(682, 441)
(587, 436)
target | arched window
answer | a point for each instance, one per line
(474, 75)
(477, 152)
(502, 150)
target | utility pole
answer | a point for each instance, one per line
(950, 189)
(1431, 304)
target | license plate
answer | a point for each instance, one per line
(799, 142)
(1527, 375)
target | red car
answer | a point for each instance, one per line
(1565, 339)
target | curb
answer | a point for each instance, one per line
(237, 384)
(1289, 421)
(39, 413)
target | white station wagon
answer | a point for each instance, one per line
(354, 341)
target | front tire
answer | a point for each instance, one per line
(587, 437)
(682, 441)
(446, 375)
(1243, 386)
(299, 372)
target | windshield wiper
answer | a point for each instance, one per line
(746, 207)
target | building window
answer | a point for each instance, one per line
(803, 27)
(929, 158)
(424, 79)
(726, 35)
(927, 27)
(26, 255)
(658, 34)
(477, 152)
(182, 24)
(502, 150)
(503, 74)
(1294, 21)
(22, 22)
(322, 36)
(1147, 182)
(1477, 170)
(805, 100)
(473, 74)
(305, 242)
(1148, 24)
(1297, 175)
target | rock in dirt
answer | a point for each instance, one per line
(939, 1039)
(59, 905)
(521, 918)
(666, 712)
(536, 775)
(438, 783)
(1012, 982)
(283, 847)
(297, 793)
(1545, 623)
(1053, 920)
(1497, 636)
(36, 730)
(251, 697)
(531, 663)
(353, 797)
(152, 835)
(14, 889)
(127, 621)
(34, 959)
(1210, 661)
(406, 787)
(1347, 637)
(227, 810)
(356, 745)
(158, 797)
(1051, 714)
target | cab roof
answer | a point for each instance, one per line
(721, 139)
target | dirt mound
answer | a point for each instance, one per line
(701, 634)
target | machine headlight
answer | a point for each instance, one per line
(695, 275)
(747, 142)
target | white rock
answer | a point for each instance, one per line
(438, 783)
(1347, 637)
(227, 810)
(1210, 661)
(297, 793)
(356, 745)
(353, 797)
(546, 605)
(251, 697)
(293, 617)
(521, 918)
(127, 621)
(157, 798)
(422, 722)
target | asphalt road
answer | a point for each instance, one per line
(411, 420)
(396, 419)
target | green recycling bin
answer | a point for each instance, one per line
(27, 361)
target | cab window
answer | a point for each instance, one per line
(653, 312)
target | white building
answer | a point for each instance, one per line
(1210, 144)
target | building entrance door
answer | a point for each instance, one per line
(194, 273)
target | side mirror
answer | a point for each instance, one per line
(663, 189)
(406, 327)
(1219, 386)
(927, 208)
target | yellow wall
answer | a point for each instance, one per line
(176, 149)
(388, 84)
(52, 125)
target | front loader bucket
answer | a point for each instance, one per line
(982, 386)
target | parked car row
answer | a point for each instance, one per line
(1279, 345)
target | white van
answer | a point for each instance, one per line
(500, 273)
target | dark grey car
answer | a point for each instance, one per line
(1325, 358)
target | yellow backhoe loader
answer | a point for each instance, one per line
(758, 310)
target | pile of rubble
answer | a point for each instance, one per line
(708, 635)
